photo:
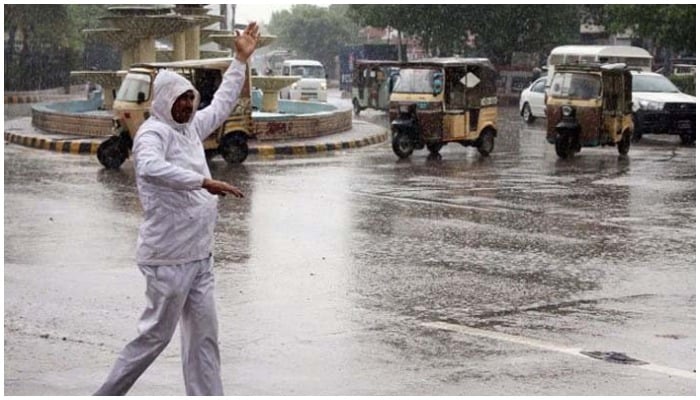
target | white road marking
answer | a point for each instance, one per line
(547, 346)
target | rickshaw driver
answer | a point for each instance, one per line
(456, 92)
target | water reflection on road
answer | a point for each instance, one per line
(330, 268)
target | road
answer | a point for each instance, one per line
(353, 273)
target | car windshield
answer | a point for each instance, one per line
(309, 71)
(576, 85)
(133, 84)
(415, 81)
(653, 83)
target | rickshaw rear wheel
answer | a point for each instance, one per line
(434, 148)
(526, 113)
(402, 144)
(234, 147)
(112, 152)
(623, 146)
(687, 140)
(564, 146)
(356, 106)
(210, 153)
(486, 142)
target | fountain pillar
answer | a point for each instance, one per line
(192, 39)
(147, 50)
(127, 57)
(179, 46)
(271, 86)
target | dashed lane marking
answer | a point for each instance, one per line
(465, 330)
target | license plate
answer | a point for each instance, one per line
(683, 125)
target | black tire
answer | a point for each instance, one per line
(209, 154)
(636, 136)
(526, 113)
(402, 144)
(112, 153)
(564, 146)
(687, 140)
(356, 106)
(487, 142)
(434, 148)
(234, 147)
(623, 146)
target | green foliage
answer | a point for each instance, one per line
(314, 32)
(44, 42)
(686, 83)
(668, 25)
(499, 30)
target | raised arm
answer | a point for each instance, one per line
(225, 98)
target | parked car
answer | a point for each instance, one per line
(660, 108)
(532, 100)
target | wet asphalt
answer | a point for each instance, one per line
(353, 273)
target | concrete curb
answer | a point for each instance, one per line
(304, 149)
(89, 146)
(57, 145)
(23, 99)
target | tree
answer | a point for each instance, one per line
(314, 32)
(49, 39)
(445, 30)
(667, 25)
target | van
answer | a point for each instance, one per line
(311, 86)
(634, 57)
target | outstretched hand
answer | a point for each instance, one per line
(245, 42)
(221, 188)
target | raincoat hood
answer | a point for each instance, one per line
(167, 87)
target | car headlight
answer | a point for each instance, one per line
(567, 111)
(323, 86)
(651, 105)
(294, 85)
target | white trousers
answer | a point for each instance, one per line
(175, 293)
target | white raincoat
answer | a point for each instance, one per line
(179, 216)
(175, 238)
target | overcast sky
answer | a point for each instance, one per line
(262, 12)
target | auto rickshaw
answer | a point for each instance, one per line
(590, 105)
(372, 83)
(442, 100)
(133, 100)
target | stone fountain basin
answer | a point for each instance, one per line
(273, 83)
(225, 39)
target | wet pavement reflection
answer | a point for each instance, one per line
(331, 266)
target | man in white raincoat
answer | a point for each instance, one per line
(175, 240)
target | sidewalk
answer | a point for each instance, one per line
(20, 131)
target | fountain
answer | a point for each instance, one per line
(269, 85)
(272, 118)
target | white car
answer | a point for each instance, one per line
(532, 100)
(659, 107)
(311, 86)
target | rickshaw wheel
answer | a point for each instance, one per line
(623, 146)
(687, 140)
(234, 147)
(402, 144)
(486, 142)
(564, 146)
(526, 113)
(434, 148)
(356, 106)
(112, 152)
